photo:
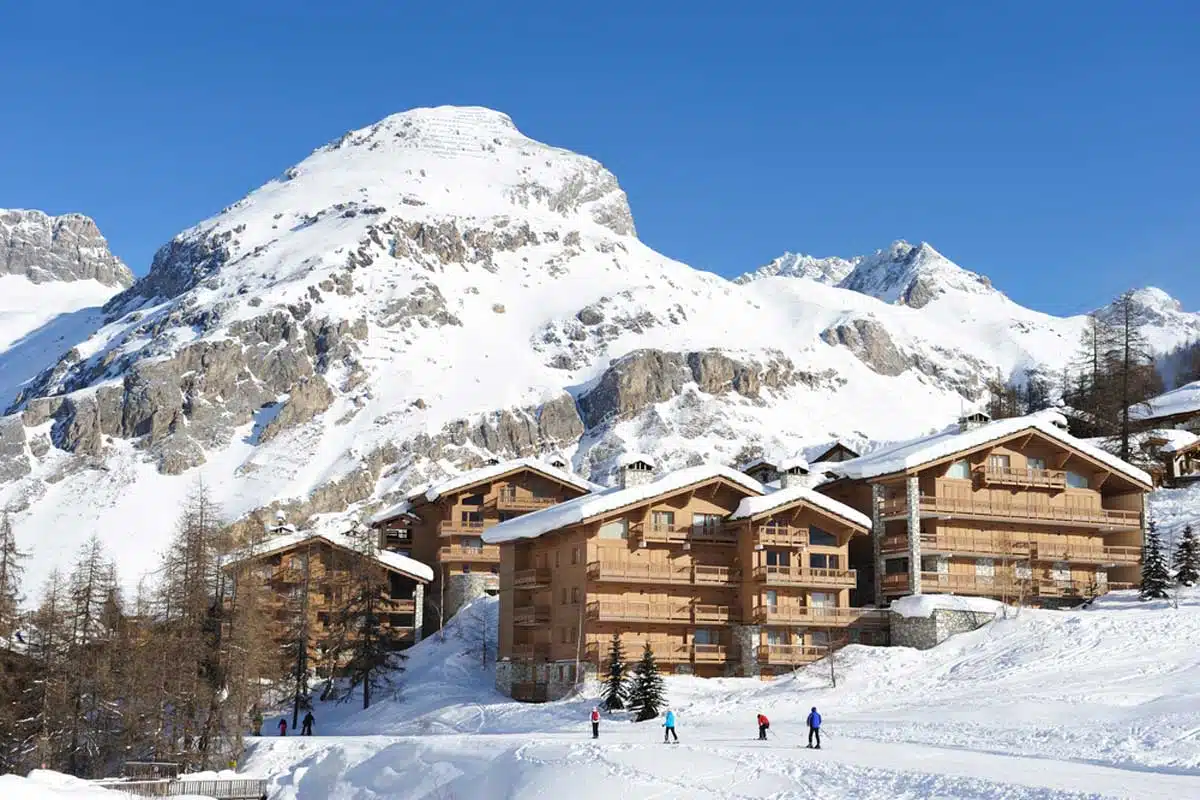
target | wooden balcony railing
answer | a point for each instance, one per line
(637, 572)
(510, 499)
(664, 652)
(681, 613)
(709, 653)
(790, 653)
(780, 536)
(538, 578)
(1030, 511)
(458, 527)
(679, 534)
(1086, 555)
(960, 545)
(1034, 478)
(400, 606)
(813, 615)
(531, 615)
(806, 576)
(1000, 583)
(488, 553)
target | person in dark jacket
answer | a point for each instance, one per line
(306, 724)
(595, 722)
(763, 724)
(283, 727)
(814, 728)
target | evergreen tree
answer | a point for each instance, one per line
(1187, 558)
(646, 696)
(11, 570)
(615, 692)
(1155, 577)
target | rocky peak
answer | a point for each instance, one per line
(913, 275)
(830, 271)
(69, 247)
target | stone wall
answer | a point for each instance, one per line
(418, 611)
(557, 676)
(745, 640)
(923, 633)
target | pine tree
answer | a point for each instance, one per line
(1155, 577)
(646, 696)
(11, 570)
(615, 691)
(1187, 558)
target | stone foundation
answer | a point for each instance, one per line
(926, 632)
(551, 680)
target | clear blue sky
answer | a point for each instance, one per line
(1051, 146)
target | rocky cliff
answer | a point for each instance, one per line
(43, 248)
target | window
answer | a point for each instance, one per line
(574, 555)
(563, 594)
(505, 516)
(821, 538)
(574, 595)
(703, 636)
(822, 600)
(776, 636)
(824, 561)
(1036, 464)
(1077, 481)
(895, 566)
(999, 463)
(1022, 572)
(399, 588)
(959, 469)
(706, 522)
(472, 519)
(662, 520)
(931, 564)
(772, 599)
(556, 554)
(473, 500)
(820, 638)
(778, 558)
(617, 529)
(472, 543)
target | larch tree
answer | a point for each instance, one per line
(11, 571)
(47, 728)
(647, 695)
(615, 691)
(14, 683)
(1155, 577)
(1187, 558)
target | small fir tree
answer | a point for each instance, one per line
(1187, 558)
(615, 691)
(646, 696)
(1155, 577)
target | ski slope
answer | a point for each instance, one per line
(1095, 703)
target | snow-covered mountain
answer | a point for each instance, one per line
(437, 289)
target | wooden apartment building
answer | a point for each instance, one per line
(326, 563)
(442, 524)
(718, 574)
(1015, 510)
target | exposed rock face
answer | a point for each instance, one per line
(309, 397)
(13, 461)
(830, 271)
(65, 248)
(870, 342)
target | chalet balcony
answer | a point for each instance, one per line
(682, 534)
(534, 651)
(464, 527)
(780, 536)
(986, 546)
(815, 616)
(673, 613)
(1027, 478)
(806, 576)
(1079, 554)
(510, 499)
(538, 578)
(664, 652)
(1026, 511)
(633, 572)
(525, 616)
(488, 553)
(999, 584)
(790, 654)
(400, 606)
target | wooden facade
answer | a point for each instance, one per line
(1026, 517)
(710, 595)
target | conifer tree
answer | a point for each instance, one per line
(11, 570)
(1155, 577)
(615, 691)
(1187, 558)
(646, 696)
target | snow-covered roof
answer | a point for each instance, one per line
(793, 462)
(1184, 400)
(923, 605)
(572, 512)
(917, 453)
(432, 491)
(761, 461)
(628, 459)
(393, 561)
(755, 506)
(842, 443)
(1176, 439)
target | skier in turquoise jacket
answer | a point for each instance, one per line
(669, 727)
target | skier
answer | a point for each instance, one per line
(814, 728)
(307, 723)
(595, 722)
(669, 727)
(283, 727)
(763, 724)
(257, 721)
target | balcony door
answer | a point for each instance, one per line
(662, 520)
(822, 600)
(771, 600)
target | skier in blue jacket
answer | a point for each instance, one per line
(669, 727)
(814, 728)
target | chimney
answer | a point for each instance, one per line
(791, 478)
(793, 472)
(635, 470)
(969, 422)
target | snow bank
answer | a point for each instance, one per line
(572, 512)
(754, 506)
(923, 605)
(47, 785)
(1184, 400)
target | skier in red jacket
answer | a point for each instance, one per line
(595, 722)
(763, 724)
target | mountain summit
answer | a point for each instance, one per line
(42, 248)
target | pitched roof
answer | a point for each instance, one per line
(572, 512)
(1184, 400)
(393, 561)
(429, 493)
(916, 453)
(820, 455)
(626, 459)
(756, 506)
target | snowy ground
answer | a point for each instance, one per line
(1103, 702)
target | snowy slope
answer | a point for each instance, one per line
(436, 290)
(1043, 704)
